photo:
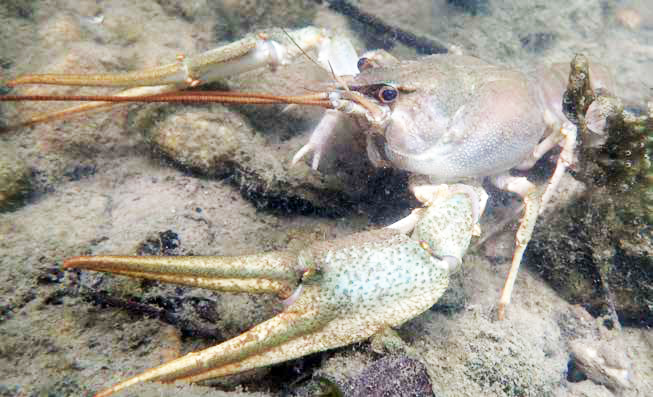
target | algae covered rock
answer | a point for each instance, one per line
(598, 250)
(584, 254)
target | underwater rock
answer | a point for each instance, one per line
(13, 175)
(219, 142)
(391, 376)
(582, 252)
(202, 140)
(605, 364)
(598, 251)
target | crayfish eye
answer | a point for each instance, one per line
(387, 94)
(364, 64)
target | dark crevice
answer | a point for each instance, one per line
(384, 34)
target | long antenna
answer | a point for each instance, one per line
(316, 99)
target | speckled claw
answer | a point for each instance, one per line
(344, 290)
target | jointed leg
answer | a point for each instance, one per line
(531, 198)
(548, 143)
(565, 159)
(564, 136)
(319, 139)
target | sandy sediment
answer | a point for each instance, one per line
(130, 180)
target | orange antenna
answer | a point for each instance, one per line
(317, 99)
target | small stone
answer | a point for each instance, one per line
(391, 376)
(13, 176)
(603, 364)
(205, 141)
